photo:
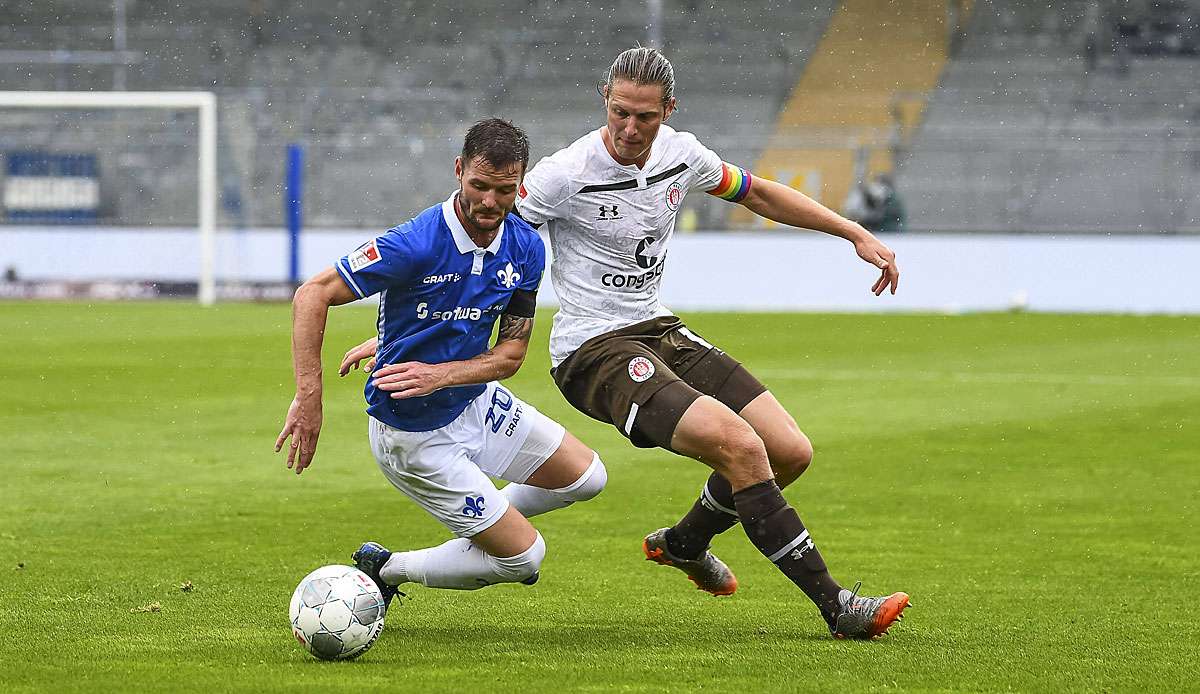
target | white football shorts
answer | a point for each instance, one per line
(447, 470)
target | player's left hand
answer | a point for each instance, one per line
(410, 379)
(356, 354)
(876, 253)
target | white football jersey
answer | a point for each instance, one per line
(609, 227)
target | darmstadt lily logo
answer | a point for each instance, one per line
(507, 277)
(474, 507)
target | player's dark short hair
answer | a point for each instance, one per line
(642, 65)
(497, 142)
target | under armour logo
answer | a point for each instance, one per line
(609, 212)
(798, 553)
(474, 507)
(507, 277)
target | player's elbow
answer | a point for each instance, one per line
(510, 365)
(324, 289)
(309, 297)
(314, 293)
(305, 294)
(509, 356)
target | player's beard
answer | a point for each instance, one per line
(469, 213)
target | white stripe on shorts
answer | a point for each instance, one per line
(629, 420)
(787, 548)
(694, 337)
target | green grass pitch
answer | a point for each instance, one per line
(1032, 480)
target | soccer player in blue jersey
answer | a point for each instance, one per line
(444, 426)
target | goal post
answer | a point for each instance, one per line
(206, 105)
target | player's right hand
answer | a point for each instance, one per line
(303, 424)
(356, 354)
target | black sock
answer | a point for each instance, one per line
(690, 537)
(775, 529)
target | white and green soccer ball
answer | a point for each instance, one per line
(337, 612)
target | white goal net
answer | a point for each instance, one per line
(115, 192)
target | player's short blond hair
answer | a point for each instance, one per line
(642, 65)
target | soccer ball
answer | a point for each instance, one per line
(337, 612)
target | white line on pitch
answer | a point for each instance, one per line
(977, 377)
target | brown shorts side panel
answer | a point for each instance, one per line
(720, 376)
(642, 378)
(656, 421)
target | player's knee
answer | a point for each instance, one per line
(589, 484)
(793, 458)
(740, 447)
(522, 566)
(804, 454)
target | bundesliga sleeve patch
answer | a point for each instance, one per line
(366, 256)
(734, 185)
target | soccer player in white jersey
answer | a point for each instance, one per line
(440, 424)
(609, 202)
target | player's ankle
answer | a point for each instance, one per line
(679, 546)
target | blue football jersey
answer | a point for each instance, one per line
(439, 297)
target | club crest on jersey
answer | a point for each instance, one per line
(674, 195)
(640, 369)
(508, 277)
(366, 256)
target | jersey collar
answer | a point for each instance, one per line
(461, 238)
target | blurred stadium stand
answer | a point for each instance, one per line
(861, 93)
(1073, 117)
(1026, 132)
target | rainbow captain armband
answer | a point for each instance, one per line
(735, 183)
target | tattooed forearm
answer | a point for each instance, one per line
(514, 328)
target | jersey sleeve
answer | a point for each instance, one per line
(384, 261)
(543, 192)
(534, 266)
(716, 177)
(704, 162)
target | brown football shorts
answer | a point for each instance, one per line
(642, 378)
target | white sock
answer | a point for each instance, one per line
(533, 501)
(460, 565)
(406, 567)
